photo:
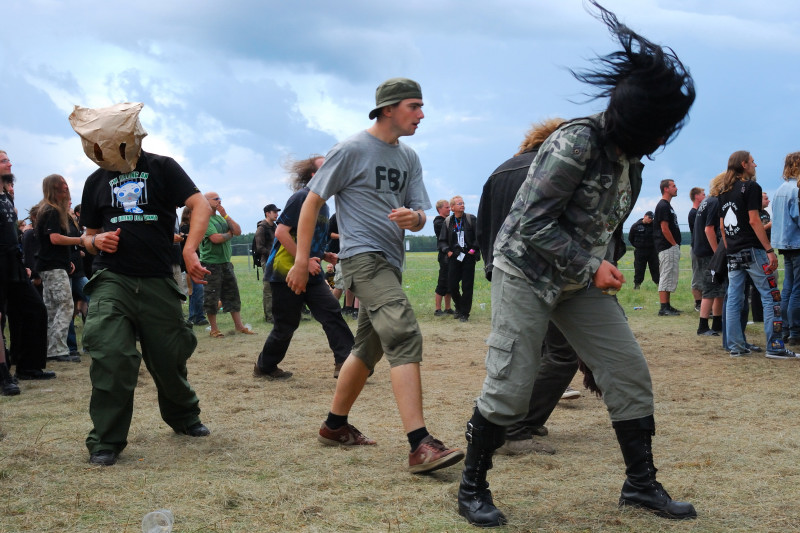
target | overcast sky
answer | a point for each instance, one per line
(234, 89)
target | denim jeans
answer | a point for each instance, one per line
(196, 303)
(751, 262)
(790, 297)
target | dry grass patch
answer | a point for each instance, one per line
(726, 440)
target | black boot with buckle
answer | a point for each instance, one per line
(474, 497)
(641, 488)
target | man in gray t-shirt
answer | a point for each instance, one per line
(377, 183)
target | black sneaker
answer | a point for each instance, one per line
(8, 387)
(438, 312)
(674, 310)
(277, 373)
(104, 458)
(783, 354)
(35, 374)
(195, 430)
(708, 333)
(73, 357)
(449, 312)
(740, 353)
(668, 312)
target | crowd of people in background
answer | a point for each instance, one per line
(549, 240)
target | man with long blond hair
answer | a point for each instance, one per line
(786, 239)
(750, 254)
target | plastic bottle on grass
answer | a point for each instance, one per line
(157, 521)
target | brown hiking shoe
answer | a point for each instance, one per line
(346, 435)
(432, 454)
(275, 374)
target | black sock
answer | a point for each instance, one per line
(335, 421)
(416, 436)
(716, 323)
(703, 325)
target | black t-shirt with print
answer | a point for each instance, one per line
(707, 215)
(9, 242)
(665, 213)
(142, 204)
(735, 207)
(51, 256)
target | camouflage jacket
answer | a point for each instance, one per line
(565, 207)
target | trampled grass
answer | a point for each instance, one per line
(726, 438)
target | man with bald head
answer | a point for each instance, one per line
(215, 255)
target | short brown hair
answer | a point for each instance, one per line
(694, 192)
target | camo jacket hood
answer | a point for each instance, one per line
(564, 207)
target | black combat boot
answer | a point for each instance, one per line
(474, 497)
(8, 385)
(641, 488)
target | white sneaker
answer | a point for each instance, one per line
(784, 354)
(571, 394)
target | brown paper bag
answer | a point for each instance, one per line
(111, 136)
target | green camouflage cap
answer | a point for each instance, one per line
(394, 91)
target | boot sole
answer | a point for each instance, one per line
(499, 523)
(442, 462)
(661, 514)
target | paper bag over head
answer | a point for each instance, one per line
(111, 136)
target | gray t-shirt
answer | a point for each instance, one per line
(369, 178)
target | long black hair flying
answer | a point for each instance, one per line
(650, 91)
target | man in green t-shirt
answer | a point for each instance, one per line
(215, 255)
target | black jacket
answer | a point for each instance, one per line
(641, 235)
(448, 241)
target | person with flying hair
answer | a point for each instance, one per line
(553, 261)
(287, 308)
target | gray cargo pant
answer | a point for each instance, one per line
(592, 322)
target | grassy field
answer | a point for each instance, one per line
(726, 440)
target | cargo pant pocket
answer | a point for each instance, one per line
(498, 358)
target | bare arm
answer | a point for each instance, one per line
(95, 241)
(667, 233)
(63, 240)
(711, 235)
(409, 219)
(761, 233)
(235, 229)
(219, 238)
(297, 278)
(282, 233)
(198, 223)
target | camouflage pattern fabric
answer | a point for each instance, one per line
(567, 205)
(57, 297)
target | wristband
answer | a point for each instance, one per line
(93, 237)
(419, 219)
(771, 251)
(227, 216)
